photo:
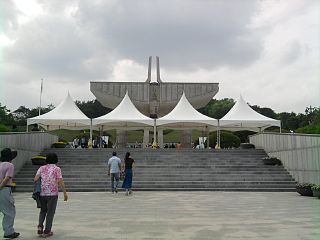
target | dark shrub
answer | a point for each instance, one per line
(271, 161)
(227, 140)
(247, 146)
(4, 128)
(244, 135)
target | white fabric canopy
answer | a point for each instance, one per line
(242, 117)
(125, 115)
(65, 116)
(185, 116)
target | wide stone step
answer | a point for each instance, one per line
(172, 178)
(170, 169)
(239, 189)
(263, 172)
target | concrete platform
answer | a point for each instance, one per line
(176, 215)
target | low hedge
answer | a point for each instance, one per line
(227, 140)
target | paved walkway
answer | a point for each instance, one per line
(177, 215)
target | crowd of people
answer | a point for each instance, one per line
(84, 142)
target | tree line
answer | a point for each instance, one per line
(307, 122)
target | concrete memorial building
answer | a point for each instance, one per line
(153, 98)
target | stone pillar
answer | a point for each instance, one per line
(122, 138)
(160, 138)
(186, 138)
(145, 138)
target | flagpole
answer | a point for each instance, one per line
(40, 95)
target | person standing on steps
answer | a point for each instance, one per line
(114, 168)
(128, 168)
(7, 206)
(51, 179)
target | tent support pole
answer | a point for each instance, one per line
(219, 134)
(27, 130)
(91, 129)
(154, 134)
(208, 133)
(100, 133)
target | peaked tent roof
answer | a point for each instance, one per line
(124, 115)
(184, 115)
(66, 116)
(242, 117)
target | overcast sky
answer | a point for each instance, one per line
(266, 50)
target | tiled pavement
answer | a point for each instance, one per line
(177, 215)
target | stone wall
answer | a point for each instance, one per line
(27, 144)
(299, 153)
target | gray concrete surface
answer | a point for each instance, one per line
(177, 215)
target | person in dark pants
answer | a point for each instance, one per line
(7, 206)
(114, 167)
(51, 179)
(128, 168)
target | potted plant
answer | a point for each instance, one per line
(316, 190)
(247, 146)
(13, 186)
(59, 144)
(38, 160)
(271, 161)
(304, 189)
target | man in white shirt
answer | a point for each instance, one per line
(114, 168)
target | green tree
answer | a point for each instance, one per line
(268, 112)
(92, 108)
(217, 108)
(5, 115)
(312, 115)
(21, 115)
(4, 128)
(310, 129)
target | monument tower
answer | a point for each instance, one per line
(154, 98)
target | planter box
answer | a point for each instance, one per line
(38, 160)
(305, 192)
(316, 193)
(247, 146)
(271, 161)
(59, 145)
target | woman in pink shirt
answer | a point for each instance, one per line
(51, 179)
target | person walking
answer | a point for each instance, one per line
(51, 179)
(7, 206)
(128, 168)
(114, 167)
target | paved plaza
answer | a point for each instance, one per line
(177, 215)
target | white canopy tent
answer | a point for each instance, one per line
(124, 116)
(242, 117)
(185, 116)
(65, 116)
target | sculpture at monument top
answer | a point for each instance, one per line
(154, 99)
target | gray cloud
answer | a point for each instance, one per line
(52, 45)
(235, 43)
(292, 52)
(8, 16)
(185, 34)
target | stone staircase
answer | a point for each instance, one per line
(168, 169)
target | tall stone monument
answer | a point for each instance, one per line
(154, 98)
